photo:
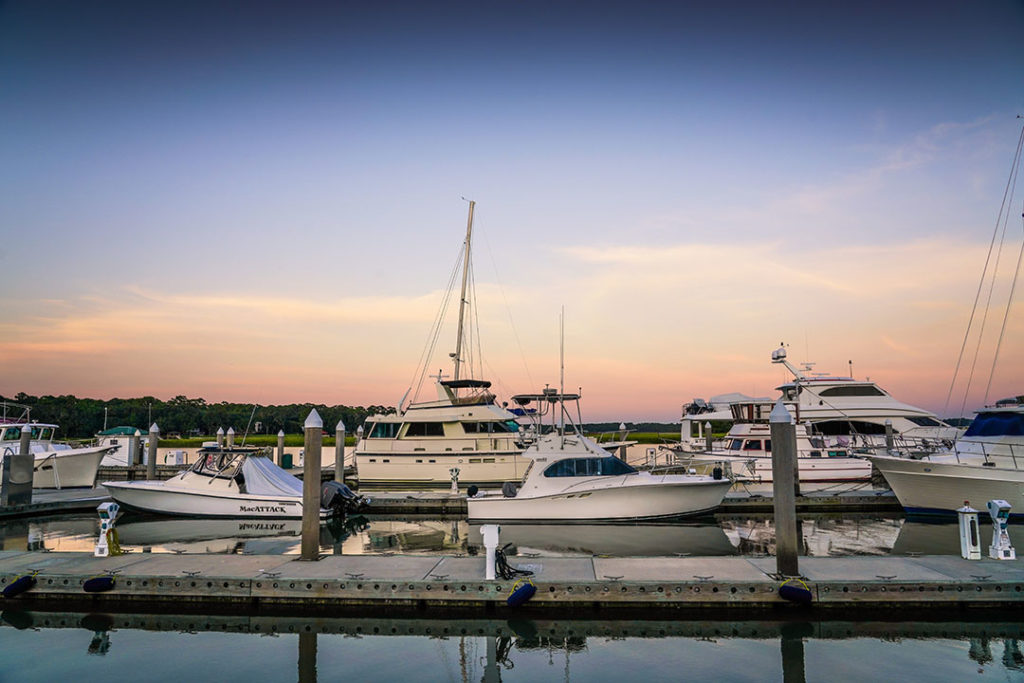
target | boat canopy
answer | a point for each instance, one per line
(263, 477)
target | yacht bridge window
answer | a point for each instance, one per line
(425, 429)
(383, 430)
(855, 390)
(588, 467)
(12, 434)
(922, 421)
(752, 445)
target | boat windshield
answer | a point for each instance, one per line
(218, 464)
(997, 424)
(588, 467)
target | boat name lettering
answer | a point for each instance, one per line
(262, 508)
(261, 526)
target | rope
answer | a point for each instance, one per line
(1006, 316)
(428, 349)
(504, 569)
(1010, 184)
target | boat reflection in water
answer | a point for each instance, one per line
(713, 646)
(620, 540)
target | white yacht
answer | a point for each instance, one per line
(748, 448)
(228, 482)
(571, 478)
(463, 432)
(986, 463)
(57, 465)
(857, 409)
(464, 429)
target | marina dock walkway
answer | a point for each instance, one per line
(255, 582)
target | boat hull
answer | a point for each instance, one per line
(927, 487)
(652, 500)
(155, 497)
(71, 468)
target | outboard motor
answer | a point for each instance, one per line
(340, 499)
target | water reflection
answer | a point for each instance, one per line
(518, 649)
(751, 535)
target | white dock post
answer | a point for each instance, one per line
(154, 438)
(280, 447)
(313, 428)
(490, 533)
(970, 538)
(134, 456)
(231, 437)
(220, 437)
(339, 452)
(783, 433)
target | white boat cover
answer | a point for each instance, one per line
(264, 478)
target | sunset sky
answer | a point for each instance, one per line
(262, 201)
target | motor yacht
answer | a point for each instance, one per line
(747, 447)
(462, 434)
(571, 478)
(56, 465)
(986, 463)
(225, 482)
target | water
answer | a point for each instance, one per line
(823, 536)
(57, 646)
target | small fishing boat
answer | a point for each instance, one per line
(230, 482)
(56, 465)
(571, 478)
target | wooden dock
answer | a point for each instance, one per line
(564, 585)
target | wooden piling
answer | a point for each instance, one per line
(339, 452)
(783, 433)
(154, 438)
(280, 447)
(311, 486)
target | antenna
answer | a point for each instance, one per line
(561, 376)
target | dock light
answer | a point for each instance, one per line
(108, 513)
(999, 511)
(970, 539)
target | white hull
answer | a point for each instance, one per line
(623, 498)
(432, 469)
(840, 469)
(70, 468)
(927, 486)
(155, 497)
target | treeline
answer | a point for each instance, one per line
(81, 418)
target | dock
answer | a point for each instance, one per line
(251, 583)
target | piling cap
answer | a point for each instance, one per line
(231, 431)
(138, 433)
(153, 428)
(780, 414)
(622, 426)
(220, 431)
(314, 421)
(281, 433)
(26, 428)
(340, 427)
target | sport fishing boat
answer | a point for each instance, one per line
(230, 482)
(56, 465)
(463, 432)
(571, 478)
(986, 463)
(748, 448)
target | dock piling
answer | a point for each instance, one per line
(312, 445)
(220, 437)
(280, 448)
(231, 437)
(783, 433)
(708, 438)
(339, 452)
(154, 437)
(134, 454)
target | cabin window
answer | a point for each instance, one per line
(425, 429)
(922, 421)
(588, 467)
(736, 444)
(35, 433)
(490, 427)
(12, 434)
(855, 390)
(47, 433)
(848, 428)
(384, 430)
(752, 445)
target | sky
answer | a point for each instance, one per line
(264, 201)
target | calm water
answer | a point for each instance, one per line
(823, 535)
(51, 647)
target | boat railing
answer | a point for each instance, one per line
(1005, 455)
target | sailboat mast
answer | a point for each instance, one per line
(465, 281)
